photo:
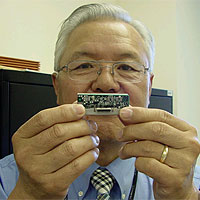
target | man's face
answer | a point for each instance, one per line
(104, 40)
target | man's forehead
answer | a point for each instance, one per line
(106, 28)
(114, 41)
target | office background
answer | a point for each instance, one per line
(28, 29)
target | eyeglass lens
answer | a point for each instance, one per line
(122, 72)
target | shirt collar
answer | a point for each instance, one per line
(122, 170)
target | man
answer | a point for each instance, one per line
(100, 49)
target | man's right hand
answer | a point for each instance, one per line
(51, 150)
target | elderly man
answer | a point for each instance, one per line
(141, 153)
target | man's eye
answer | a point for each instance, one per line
(126, 68)
(84, 66)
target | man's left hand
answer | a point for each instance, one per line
(146, 133)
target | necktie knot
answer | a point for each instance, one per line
(103, 181)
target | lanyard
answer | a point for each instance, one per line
(133, 187)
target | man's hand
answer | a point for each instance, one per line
(51, 150)
(146, 132)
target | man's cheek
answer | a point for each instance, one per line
(68, 96)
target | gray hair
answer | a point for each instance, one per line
(92, 12)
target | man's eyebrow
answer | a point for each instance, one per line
(132, 56)
(79, 54)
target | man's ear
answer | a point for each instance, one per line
(55, 85)
(150, 86)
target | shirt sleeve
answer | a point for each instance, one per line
(196, 178)
(2, 192)
(8, 176)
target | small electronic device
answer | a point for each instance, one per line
(103, 103)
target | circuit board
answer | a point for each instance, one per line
(103, 103)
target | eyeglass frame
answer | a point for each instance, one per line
(146, 69)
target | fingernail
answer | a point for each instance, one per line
(120, 151)
(78, 108)
(126, 113)
(96, 138)
(96, 151)
(93, 126)
(121, 148)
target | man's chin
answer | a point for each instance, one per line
(108, 126)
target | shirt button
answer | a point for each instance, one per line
(123, 196)
(80, 193)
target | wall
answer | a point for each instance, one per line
(28, 29)
(188, 61)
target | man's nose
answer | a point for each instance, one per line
(105, 81)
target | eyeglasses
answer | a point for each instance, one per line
(86, 71)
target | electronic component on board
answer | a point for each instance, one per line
(103, 103)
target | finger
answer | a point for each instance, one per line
(148, 149)
(70, 172)
(154, 131)
(134, 115)
(160, 172)
(67, 152)
(49, 117)
(59, 133)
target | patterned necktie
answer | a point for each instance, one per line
(103, 181)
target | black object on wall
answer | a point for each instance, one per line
(24, 93)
